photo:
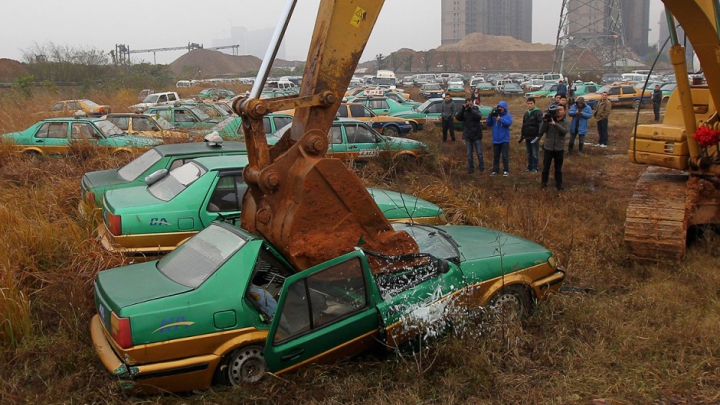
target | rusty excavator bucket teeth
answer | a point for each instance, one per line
(311, 208)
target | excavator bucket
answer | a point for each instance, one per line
(311, 208)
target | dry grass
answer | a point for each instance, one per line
(642, 334)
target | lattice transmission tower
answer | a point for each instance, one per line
(589, 30)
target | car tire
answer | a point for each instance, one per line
(243, 365)
(636, 104)
(32, 155)
(511, 302)
(391, 130)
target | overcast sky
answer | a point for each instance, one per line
(146, 24)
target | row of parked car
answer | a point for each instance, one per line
(221, 305)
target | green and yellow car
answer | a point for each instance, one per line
(55, 136)
(170, 156)
(68, 108)
(357, 142)
(177, 204)
(147, 125)
(430, 111)
(184, 116)
(226, 308)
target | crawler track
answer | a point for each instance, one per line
(656, 222)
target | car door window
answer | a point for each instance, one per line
(614, 91)
(357, 133)
(57, 107)
(336, 135)
(120, 122)
(322, 298)
(74, 106)
(165, 114)
(342, 111)
(162, 99)
(360, 111)
(183, 116)
(58, 130)
(142, 124)
(227, 195)
(434, 108)
(81, 130)
(171, 97)
(628, 90)
(282, 121)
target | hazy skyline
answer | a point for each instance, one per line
(146, 25)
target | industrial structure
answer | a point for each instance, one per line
(121, 54)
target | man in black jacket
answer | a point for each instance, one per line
(657, 100)
(471, 117)
(529, 131)
(554, 148)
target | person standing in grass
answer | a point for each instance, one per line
(602, 112)
(554, 148)
(529, 131)
(657, 100)
(471, 117)
(499, 121)
(580, 113)
(448, 113)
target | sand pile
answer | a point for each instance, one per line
(476, 42)
(215, 63)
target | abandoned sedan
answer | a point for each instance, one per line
(225, 307)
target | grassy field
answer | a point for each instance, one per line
(629, 333)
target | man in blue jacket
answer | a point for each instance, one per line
(580, 113)
(499, 121)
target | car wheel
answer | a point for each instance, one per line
(636, 104)
(391, 131)
(511, 302)
(33, 155)
(414, 126)
(243, 365)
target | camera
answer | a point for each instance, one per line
(495, 111)
(550, 114)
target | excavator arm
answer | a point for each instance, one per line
(312, 208)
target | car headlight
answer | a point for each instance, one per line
(552, 262)
(407, 122)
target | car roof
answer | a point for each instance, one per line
(127, 115)
(65, 119)
(223, 162)
(173, 149)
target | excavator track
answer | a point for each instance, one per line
(656, 221)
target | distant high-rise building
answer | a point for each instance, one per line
(636, 24)
(507, 17)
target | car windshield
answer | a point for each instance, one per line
(139, 165)
(423, 106)
(431, 240)
(198, 258)
(176, 181)
(603, 89)
(151, 98)
(432, 87)
(108, 128)
(90, 103)
(162, 122)
(513, 86)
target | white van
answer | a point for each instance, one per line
(634, 77)
(183, 83)
(553, 77)
(385, 77)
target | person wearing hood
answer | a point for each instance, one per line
(580, 113)
(471, 117)
(499, 122)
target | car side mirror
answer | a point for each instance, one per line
(155, 176)
(443, 266)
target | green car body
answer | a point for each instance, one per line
(182, 116)
(225, 306)
(548, 90)
(356, 141)
(382, 105)
(55, 136)
(430, 111)
(95, 184)
(216, 93)
(158, 217)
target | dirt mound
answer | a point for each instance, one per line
(11, 69)
(214, 63)
(480, 42)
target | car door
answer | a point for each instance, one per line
(628, 95)
(380, 107)
(52, 137)
(184, 118)
(362, 143)
(224, 199)
(614, 95)
(324, 314)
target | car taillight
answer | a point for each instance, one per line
(120, 331)
(89, 198)
(114, 223)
